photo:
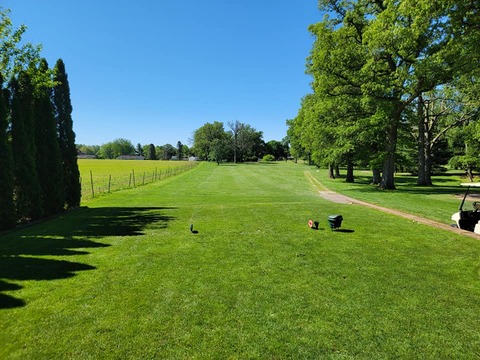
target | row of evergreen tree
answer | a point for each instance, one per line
(39, 174)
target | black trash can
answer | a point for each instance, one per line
(335, 221)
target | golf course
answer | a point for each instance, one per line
(218, 262)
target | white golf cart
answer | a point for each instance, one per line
(468, 219)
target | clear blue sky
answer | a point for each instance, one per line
(153, 71)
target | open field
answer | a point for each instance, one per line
(124, 278)
(113, 175)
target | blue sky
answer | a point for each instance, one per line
(153, 71)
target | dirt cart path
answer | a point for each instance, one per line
(342, 199)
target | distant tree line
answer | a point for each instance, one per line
(119, 147)
(238, 143)
(395, 87)
(38, 160)
(211, 142)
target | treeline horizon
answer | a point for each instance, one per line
(211, 142)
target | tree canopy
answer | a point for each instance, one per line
(240, 143)
(373, 62)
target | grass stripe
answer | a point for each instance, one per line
(125, 278)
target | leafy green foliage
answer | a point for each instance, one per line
(204, 136)
(116, 148)
(268, 158)
(279, 150)
(15, 55)
(370, 62)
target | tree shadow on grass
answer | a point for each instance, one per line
(121, 221)
(7, 301)
(71, 234)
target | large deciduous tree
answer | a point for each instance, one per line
(386, 55)
(236, 128)
(15, 55)
(116, 148)
(204, 136)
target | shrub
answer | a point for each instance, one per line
(268, 157)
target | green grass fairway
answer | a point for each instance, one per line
(124, 278)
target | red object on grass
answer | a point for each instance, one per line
(310, 223)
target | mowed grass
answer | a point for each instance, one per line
(113, 175)
(124, 278)
(437, 202)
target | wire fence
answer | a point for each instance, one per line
(94, 185)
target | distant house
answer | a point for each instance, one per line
(130, 157)
(193, 158)
(81, 155)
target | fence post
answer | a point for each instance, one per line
(91, 181)
(143, 178)
(109, 182)
(133, 172)
(130, 180)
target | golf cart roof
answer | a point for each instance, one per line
(477, 184)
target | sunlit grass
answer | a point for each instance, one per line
(113, 175)
(126, 279)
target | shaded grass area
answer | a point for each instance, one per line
(32, 254)
(254, 282)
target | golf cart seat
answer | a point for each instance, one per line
(468, 219)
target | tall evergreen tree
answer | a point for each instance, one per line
(48, 158)
(7, 206)
(151, 152)
(27, 190)
(179, 150)
(66, 136)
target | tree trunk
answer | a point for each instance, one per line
(470, 173)
(331, 175)
(376, 176)
(421, 117)
(350, 178)
(235, 148)
(388, 176)
(428, 162)
(337, 171)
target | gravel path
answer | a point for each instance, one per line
(342, 199)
